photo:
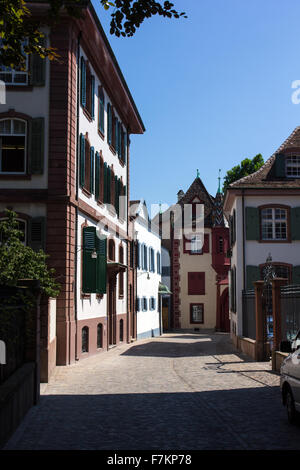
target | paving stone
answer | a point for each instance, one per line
(180, 391)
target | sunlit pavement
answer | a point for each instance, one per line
(181, 391)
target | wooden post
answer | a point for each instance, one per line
(259, 346)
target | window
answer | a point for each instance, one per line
(85, 339)
(145, 258)
(220, 245)
(14, 76)
(196, 313)
(274, 223)
(87, 90)
(111, 250)
(196, 283)
(151, 260)
(144, 304)
(99, 336)
(193, 244)
(138, 304)
(232, 228)
(158, 263)
(101, 107)
(233, 289)
(152, 303)
(87, 165)
(292, 165)
(13, 146)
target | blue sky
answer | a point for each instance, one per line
(211, 90)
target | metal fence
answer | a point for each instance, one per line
(290, 311)
(249, 320)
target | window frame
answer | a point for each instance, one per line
(25, 135)
(17, 72)
(287, 221)
(192, 322)
(291, 155)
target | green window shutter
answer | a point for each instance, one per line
(117, 195)
(97, 176)
(125, 148)
(295, 223)
(105, 183)
(101, 265)
(38, 68)
(252, 275)
(36, 146)
(252, 223)
(83, 82)
(82, 160)
(109, 124)
(120, 140)
(296, 274)
(280, 165)
(89, 266)
(93, 96)
(92, 174)
(101, 110)
(37, 233)
(108, 184)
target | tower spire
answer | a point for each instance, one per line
(219, 178)
(198, 174)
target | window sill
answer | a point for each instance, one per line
(101, 134)
(15, 177)
(19, 87)
(288, 240)
(87, 114)
(86, 192)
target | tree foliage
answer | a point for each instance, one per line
(17, 24)
(18, 261)
(246, 167)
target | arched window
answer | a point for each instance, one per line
(121, 330)
(111, 250)
(85, 339)
(99, 336)
(13, 146)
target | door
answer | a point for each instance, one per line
(112, 314)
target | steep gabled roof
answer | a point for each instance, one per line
(264, 177)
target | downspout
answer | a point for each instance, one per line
(243, 209)
(76, 198)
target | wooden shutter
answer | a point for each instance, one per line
(125, 148)
(109, 124)
(37, 70)
(138, 258)
(117, 206)
(196, 283)
(101, 265)
(97, 176)
(105, 182)
(296, 274)
(83, 82)
(295, 223)
(37, 233)
(252, 223)
(108, 184)
(92, 173)
(206, 243)
(280, 165)
(36, 146)
(89, 267)
(101, 110)
(252, 275)
(82, 160)
(112, 190)
(93, 96)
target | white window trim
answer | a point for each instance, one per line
(273, 221)
(292, 165)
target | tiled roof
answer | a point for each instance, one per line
(264, 177)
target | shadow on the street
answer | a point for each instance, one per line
(246, 418)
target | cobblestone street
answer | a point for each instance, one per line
(180, 391)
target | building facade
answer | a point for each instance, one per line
(148, 272)
(65, 137)
(264, 213)
(198, 265)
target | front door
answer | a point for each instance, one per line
(112, 313)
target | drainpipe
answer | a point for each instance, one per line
(76, 198)
(243, 209)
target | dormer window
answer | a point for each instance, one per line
(292, 165)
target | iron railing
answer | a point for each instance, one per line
(290, 311)
(249, 320)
